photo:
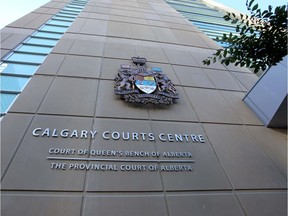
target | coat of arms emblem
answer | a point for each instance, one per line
(139, 84)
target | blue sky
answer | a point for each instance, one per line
(240, 5)
(12, 10)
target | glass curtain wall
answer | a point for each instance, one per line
(17, 68)
(209, 20)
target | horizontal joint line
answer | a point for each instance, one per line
(120, 160)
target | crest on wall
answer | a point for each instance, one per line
(139, 84)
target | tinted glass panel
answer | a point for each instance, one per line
(29, 58)
(23, 62)
(213, 26)
(72, 9)
(40, 41)
(48, 35)
(11, 83)
(35, 49)
(6, 100)
(19, 69)
(78, 4)
(54, 28)
(75, 6)
(67, 16)
(68, 13)
(62, 18)
(58, 22)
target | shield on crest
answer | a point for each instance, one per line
(143, 85)
(146, 84)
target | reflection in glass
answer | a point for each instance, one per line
(11, 83)
(54, 28)
(57, 22)
(28, 58)
(40, 41)
(6, 101)
(25, 69)
(48, 35)
(35, 49)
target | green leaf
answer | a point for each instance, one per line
(255, 7)
(261, 40)
(267, 15)
(250, 3)
(234, 21)
(264, 12)
(206, 62)
(227, 62)
(237, 28)
(248, 62)
(226, 17)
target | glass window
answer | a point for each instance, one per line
(73, 10)
(40, 41)
(11, 83)
(68, 13)
(6, 101)
(54, 28)
(24, 69)
(48, 35)
(63, 18)
(214, 26)
(27, 58)
(193, 9)
(75, 6)
(3, 66)
(18, 67)
(35, 49)
(58, 22)
(78, 4)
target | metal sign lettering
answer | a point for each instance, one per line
(142, 85)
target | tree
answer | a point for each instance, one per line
(261, 40)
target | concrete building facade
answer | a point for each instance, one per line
(207, 16)
(70, 146)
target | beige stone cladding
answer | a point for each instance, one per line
(70, 146)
